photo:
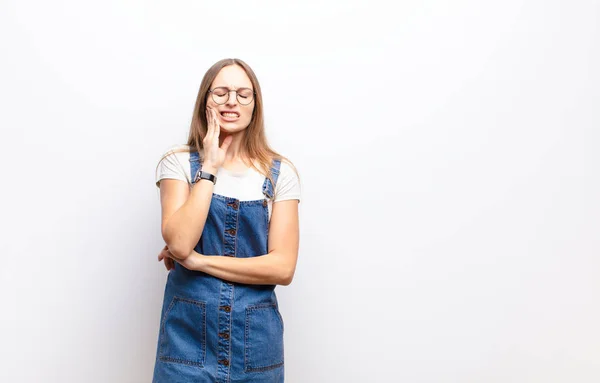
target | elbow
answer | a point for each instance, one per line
(286, 277)
(180, 253)
(176, 247)
(179, 250)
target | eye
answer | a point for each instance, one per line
(245, 93)
(220, 92)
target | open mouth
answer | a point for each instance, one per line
(230, 114)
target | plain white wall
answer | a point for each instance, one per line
(449, 160)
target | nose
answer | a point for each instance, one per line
(232, 99)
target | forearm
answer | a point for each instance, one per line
(271, 269)
(184, 228)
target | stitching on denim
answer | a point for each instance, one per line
(249, 309)
(194, 158)
(225, 199)
(181, 361)
(203, 345)
(269, 190)
(267, 223)
(246, 342)
(164, 321)
(261, 305)
(258, 369)
(222, 233)
(265, 187)
(165, 358)
(237, 228)
(231, 326)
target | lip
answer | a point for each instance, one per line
(229, 118)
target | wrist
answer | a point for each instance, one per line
(199, 260)
(206, 174)
(209, 169)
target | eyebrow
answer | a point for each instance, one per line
(239, 87)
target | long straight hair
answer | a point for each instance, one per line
(254, 143)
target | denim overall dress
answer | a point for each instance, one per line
(212, 330)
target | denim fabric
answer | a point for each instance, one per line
(212, 330)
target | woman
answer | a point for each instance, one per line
(230, 223)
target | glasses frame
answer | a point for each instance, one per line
(237, 95)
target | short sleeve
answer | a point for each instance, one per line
(288, 184)
(174, 164)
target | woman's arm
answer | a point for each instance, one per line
(184, 214)
(276, 267)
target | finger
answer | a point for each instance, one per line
(212, 120)
(216, 128)
(162, 254)
(209, 122)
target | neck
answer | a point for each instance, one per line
(235, 152)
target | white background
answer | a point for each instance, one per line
(449, 158)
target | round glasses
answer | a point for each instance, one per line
(220, 95)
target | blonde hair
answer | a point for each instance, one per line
(254, 142)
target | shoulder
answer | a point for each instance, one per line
(288, 183)
(287, 169)
(176, 152)
(174, 163)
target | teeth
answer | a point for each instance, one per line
(229, 114)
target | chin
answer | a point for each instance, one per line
(232, 127)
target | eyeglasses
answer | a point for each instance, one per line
(220, 95)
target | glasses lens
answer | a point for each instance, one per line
(220, 95)
(244, 96)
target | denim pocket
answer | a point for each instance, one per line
(183, 332)
(263, 337)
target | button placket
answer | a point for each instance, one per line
(230, 229)
(224, 329)
(227, 293)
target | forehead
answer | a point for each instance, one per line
(232, 76)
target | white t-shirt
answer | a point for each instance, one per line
(245, 185)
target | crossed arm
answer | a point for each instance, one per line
(275, 267)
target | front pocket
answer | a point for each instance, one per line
(183, 332)
(263, 337)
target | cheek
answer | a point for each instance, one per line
(248, 113)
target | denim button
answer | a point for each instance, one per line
(265, 203)
(224, 335)
(224, 362)
(231, 231)
(226, 308)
